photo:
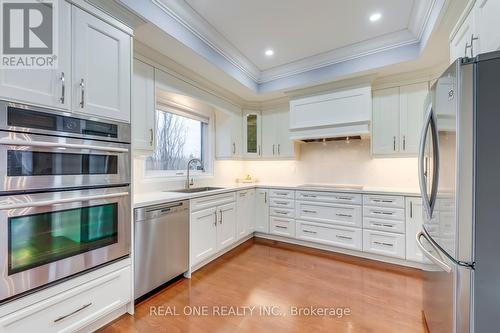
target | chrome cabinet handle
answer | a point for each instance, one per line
(281, 213)
(382, 200)
(404, 142)
(259, 151)
(63, 88)
(382, 243)
(309, 231)
(234, 148)
(281, 203)
(467, 46)
(394, 143)
(309, 211)
(308, 196)
(343, 198)
(273, 149)
(281, 193)
(82, 86)
(343, 237)
(215, 218)
(151, 137)
(73, 313)
(383, 225)
(279, 153)
(280, 227)
(220, 216)
(343, 215)
(411, 208)
(472, 39)
(265, 197)
(382, 213)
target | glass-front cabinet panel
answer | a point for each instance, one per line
(252, 134)
(39, 239)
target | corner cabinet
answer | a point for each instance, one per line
(478, 30)
(252, 134)
(143, 107)
(101, 67)
(397, 120)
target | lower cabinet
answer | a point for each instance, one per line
(414, 220)
(245, 201)
(74, 309)
(384, 243)
(262, 210)
(333, 235)
(282, 226)
(226, 228)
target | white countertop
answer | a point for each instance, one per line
(159, 197)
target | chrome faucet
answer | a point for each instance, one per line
(190, 182)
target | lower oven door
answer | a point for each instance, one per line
(46, 237)
(33, 162)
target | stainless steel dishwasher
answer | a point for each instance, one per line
(161, 244)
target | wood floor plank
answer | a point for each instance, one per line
(381, 297)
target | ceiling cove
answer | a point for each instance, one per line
(178, 19)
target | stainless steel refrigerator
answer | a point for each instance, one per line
(459, 174)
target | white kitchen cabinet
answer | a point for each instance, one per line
(350, 238)
(44, 87)
(228, 135)
(397, 119)
(203, 235)
(143, 106)
(282, 226)
(414, 220)
(262, 210)
(226, 228)
(478, 30)
(384, 243)
(276, 142)
(101, 63)
(385, 121)
(252, 134)
(245, 201)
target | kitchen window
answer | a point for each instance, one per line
(180, 136)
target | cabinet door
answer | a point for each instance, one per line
(385, 122)
(143, 106)
(285, 147)
(262, 211)
(101, 67)
(44, 87)
(461, 39)
(226, 229)
(252, 132)
(251, 211)
(243, 211)
(236, 140)
(414, 222)
(227, 135)
(269, 135)
(203, 235)
(412, 110)
(487, 26)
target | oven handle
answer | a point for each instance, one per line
(61, 201)
(60, 145)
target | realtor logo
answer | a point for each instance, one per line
(28, 34)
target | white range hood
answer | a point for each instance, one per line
(341, 113)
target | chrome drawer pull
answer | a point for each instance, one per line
(343, 198)
(281, 203)
(282, 213)
(73, 313)
(383, 225)
(308, 196)
(383, 213)
(280, 227)
(383, 200)
(382, 243)
(343, 215)
(309, 231)
(343, 237)
(278, 193)
(309, 211)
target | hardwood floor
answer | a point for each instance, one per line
(381, 297)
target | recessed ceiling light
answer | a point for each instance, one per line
(375, 17)
(269, 52)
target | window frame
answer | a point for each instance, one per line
(208, 142)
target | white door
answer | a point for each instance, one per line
(226, 228)
(414, 222)
(242, 210)
(462, 39)
(262, 211)
(487, 26)
(143, 106)
(252, 132)
(385, 122)
(412, 107)
(285, 147)
(269, 135)
(251, 211)
(44, 87)
(101, 67)
(203, 235)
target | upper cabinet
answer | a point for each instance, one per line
(143, 106)
(228, 142)
(94, 68)
(44, 87)
(276, 142)
(397, 119)
(478, 30)
(252, 134)
(101, 67)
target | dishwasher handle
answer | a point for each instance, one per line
(152, 212)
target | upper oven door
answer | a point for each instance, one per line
(45, 237)
(31, 162)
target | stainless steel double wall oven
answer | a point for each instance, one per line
(64, 196)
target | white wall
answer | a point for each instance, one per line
(338, 163)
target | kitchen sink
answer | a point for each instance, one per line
(197, 189)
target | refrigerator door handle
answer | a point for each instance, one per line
(422, 177)
(435, 259)
(435, 174)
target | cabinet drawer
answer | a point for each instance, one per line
(384, 225)
(74, 309)
(212, 201)
(345, 237)
(347, 198)
(384, 243)
(283, 194)
(384, 201)
(282, 226)
(284, 203)
(347, 215)
(384, 213)
(281, 212)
